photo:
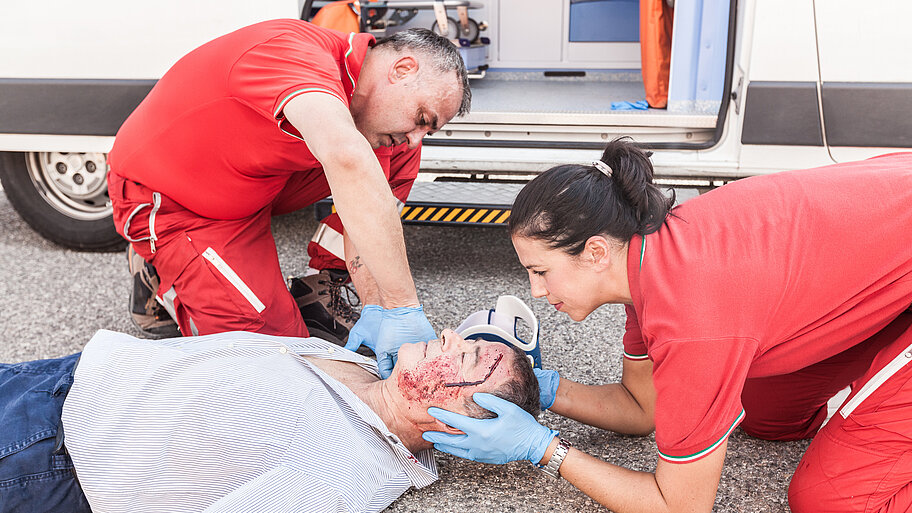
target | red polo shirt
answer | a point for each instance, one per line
(211, 134)
(762, 277)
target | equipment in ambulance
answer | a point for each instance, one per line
(379, 16)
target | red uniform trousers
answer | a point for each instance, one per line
(222, 275)
(860, 463)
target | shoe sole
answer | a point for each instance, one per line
(329, 337)
(146, 333)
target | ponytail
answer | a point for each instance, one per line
(567, 204)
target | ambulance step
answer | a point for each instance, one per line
(467, 203)
(452, 204)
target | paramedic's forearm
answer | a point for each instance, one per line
(368, 210)
(627, 407)
(361, 194)
(687, 487)
(603, 406)
(361, 276)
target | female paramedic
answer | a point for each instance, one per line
(750, 305)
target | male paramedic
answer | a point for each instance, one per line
(267, 120)
(237, 421)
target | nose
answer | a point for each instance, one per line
(415, 136)
(448, 338)
(536, 286)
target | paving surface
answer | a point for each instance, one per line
(52, 300)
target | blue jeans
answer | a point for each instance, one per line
(35, 474)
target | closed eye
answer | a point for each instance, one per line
(432, 123)
(424, 122)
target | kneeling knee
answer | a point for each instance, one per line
(811, 489)
(770, 430)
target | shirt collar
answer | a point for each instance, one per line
(355, 52)
(421, 468)
(636, 252)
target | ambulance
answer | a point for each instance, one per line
(751, 87)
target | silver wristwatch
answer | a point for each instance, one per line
(557, 457)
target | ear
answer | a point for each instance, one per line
(403, 69)
(440, 426)
(597, 251)
(429, 423)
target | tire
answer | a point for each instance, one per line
(63, 197)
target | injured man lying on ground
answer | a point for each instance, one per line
(236, 422)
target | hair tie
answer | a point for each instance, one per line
(602, 167)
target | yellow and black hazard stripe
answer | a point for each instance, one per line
(452, 215)
(455, 215)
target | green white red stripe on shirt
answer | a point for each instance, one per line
(697, 455)
(288, 98)
(351, 48)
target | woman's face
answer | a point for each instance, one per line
(570, 283)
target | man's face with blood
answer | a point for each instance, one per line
(425, 368)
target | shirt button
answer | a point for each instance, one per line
(230, 345)
(331, 350)
(283, 350)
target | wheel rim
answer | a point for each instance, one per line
(75, 184)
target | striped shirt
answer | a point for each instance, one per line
(232, 422)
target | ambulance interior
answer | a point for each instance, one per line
(572, 74)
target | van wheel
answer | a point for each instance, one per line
(63, 197)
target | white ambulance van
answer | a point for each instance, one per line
(756, 86)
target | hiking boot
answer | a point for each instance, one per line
(147, 314)
(325, 300)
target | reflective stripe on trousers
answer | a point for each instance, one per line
(156, 204)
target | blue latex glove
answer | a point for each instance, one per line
(513, 435)
(400, 326)
(638, 105)
(365, 331)
(548, 380)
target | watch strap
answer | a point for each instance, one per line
(552, 468)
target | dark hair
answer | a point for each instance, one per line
(522, 390)
(444, 56)
(567, 204)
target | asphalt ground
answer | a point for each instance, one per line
(52, 300)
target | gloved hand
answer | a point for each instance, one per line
(513, 435)
(400, 326)
(548, 380)
(367, 328)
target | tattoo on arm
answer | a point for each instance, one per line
(355, 264)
